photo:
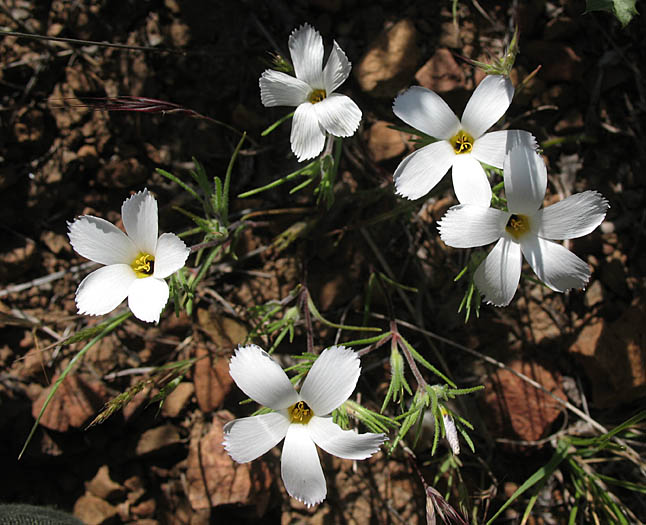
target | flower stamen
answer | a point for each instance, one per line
(300, 413)
(143, 265)
(462, 142)
(517, 225)
(317, 95)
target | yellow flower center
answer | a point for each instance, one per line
(462, 142)
(317, 95)
(517, 226)
(300, 413)
(143, 265)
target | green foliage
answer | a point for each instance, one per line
(432, 400)
(624, 10)
(502, 65)
(590, 492)
(324, 169)
(471, 299)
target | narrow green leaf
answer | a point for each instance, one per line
(542, 473)
(114, 322)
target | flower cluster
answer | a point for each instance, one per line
(137, 262)
(525, 228)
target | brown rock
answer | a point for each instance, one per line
(17, 256)
(30, 126)
(56, 242)
(215, 479)
(390, 62)
(594, 294)
(613, 356)
(122, 173)
(441, 73)
(211, 379)
(540, 321)
(76, 401)
(518, 410)
(157, 440)
(94, 511)
(144, 509)
(177, 400)
(384, 142)
(102, 486)
(225, 332)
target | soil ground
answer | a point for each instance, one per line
(61, 159)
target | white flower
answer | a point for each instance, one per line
(525, 229)
(319, 109)
(301, 418)
(462, 144)
(136, 264)
(451, 431)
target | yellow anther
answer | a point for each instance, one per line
(300, 413)
(317, 95)
(462, 142)
(144, 265)
(517, 226)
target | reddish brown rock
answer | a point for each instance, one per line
(385, 143)
(177, 400)
(613, 356)
(102, 485)
(94, 511)
(441, 73)
(215, 479)
(76, 401)
(390, 62)
(157, 440)
(515, 408)
(211, 379)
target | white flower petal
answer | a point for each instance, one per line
(104, 289)
(343, 443)
(280, 89)
(467, 226)
(426, 111)
(525, 180)
(573, 217)
(147, 298)
(336, 70)
(492, 147)
(498, 275)
(470, 181)
(306, 49)
(300, 467)
(308, 137)
(338, 114)
(451, 433)
(331, 379)
(139, 215)
(100, 241)
(488, 103)
(262, 378)
(250, 437)
(419, 173)
(170, 255)
(555, 265)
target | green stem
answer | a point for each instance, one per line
(116, 322)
